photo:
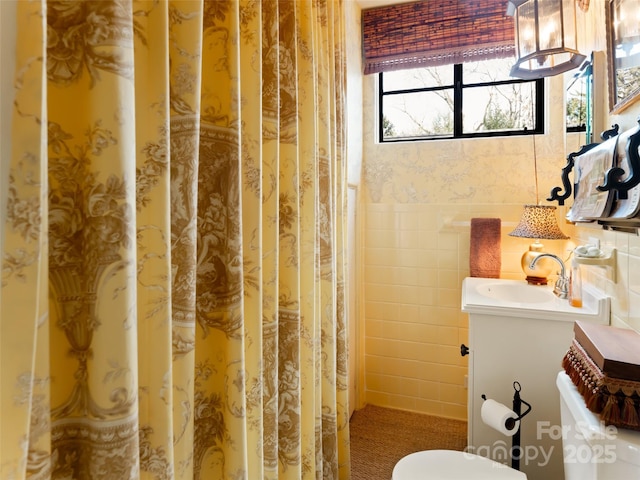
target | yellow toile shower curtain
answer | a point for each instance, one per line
(173, 295)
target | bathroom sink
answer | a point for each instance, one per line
(518, 292)
(505, 297)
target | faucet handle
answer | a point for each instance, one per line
(561, 287)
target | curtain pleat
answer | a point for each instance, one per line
(173, 252)
(250, 165)
(153, 263)
(267, 179)
(24, 374)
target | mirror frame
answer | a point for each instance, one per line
(614, 7)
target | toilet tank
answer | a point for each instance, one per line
(592, 450)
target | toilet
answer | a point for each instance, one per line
(452, 465)
(591, 450)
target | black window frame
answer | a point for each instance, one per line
(458, 106)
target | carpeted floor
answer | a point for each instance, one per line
(382, 436)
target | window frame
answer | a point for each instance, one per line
(458, 108)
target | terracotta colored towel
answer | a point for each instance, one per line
(485, 257)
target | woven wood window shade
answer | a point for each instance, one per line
(435, 32)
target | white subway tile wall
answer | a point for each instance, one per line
(415, 259)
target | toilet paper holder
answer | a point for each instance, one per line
(512, 422)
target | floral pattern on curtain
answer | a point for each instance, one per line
(173, 264)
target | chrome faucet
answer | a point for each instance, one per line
(561, 288)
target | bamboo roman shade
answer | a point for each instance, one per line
(435, 32)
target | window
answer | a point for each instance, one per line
(476, 99)
(578, 95)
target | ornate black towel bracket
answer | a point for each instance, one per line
(613, 175)
(566, 170)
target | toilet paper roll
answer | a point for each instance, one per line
(499, 417)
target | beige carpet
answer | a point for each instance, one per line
(382, 436)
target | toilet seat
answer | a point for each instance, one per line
(452, 465)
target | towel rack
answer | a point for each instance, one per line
(450, 223)
(612, 181)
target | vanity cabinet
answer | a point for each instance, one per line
(516, 341)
